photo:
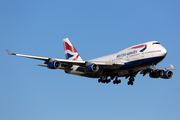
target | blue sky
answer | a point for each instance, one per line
(96, 28)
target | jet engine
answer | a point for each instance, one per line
(54, 64)
(156, 74)
(167, 74)
(92, 68)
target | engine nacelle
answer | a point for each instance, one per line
(167, 75)
(92, 68)
(156, 74)
(54, 64)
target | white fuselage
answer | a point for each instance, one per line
(129, 54)
(135, 58)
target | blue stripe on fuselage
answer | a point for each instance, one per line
(143, 49)
(142, 62)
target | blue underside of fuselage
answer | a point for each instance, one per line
(133, 64)
(141, 62)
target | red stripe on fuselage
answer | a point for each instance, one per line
(69, 47)
(139, 46)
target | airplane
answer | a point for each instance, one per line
(127, 63)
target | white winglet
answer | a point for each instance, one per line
(10, 52)
(172, 67)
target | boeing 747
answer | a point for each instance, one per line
(127, 63)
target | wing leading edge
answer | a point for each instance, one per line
(68, 62)
(81, 63)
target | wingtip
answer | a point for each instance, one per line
(10, 52)
(172, 66)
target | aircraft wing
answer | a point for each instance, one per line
(165, 69)
(28, 56)
(153, 68)
(105, 64)
(46, 59)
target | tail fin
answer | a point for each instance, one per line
(70, 51)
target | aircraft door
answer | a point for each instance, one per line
(142, 54)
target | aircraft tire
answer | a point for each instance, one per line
(109, 80)
(129, 82)
(119, 81)
(114, 82)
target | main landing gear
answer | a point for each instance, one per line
(130, 82)
(106, 80)
(116, 81)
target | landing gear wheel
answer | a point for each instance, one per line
(104, 79)
(130, 83)
(114, 82)
(107, 81)
(119, 81)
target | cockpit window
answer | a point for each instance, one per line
(156, 43)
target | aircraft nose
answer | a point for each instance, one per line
(164, 52)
